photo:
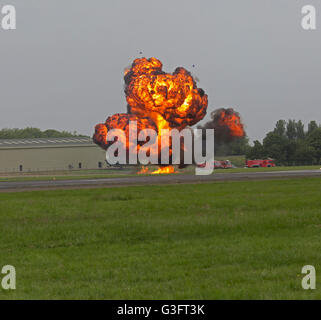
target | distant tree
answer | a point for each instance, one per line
(274, 147)
(280, 128)
(289, 150)
(304, 154)
(289, 144)
(314, 141)
(300, 134)
(255, 152)
(31, 133)
(291, 132)
(52, 133)
(312, 126)
(238, 146)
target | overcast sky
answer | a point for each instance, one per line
(63, 66)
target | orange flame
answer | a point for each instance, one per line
(233, 121)
(165, 170)
(227, 125)
(160, 170)
(143, 170)
(170, 100)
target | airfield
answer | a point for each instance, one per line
(153, 180)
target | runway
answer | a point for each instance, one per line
(153, 180)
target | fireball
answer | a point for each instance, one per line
(156, 100)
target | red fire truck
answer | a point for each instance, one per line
(220, 164)
(224, 164)
(260, 163)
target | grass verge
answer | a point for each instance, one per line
(225, 240)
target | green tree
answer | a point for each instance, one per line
(255, 152)
(304, 154)
(31, 133)
(289, 144)
(291, 132)
(275, 147)
(314, 141)
(300, 130)
(238, 146)
(312, 126)
(280, 128)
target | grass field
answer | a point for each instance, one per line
(225, 240)
(280, 168)
(131, 172)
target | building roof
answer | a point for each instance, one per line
(45, 142)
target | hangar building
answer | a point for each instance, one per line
(50, 154)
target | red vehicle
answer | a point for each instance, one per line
(260, 163)
(225, 164)
(220, 164)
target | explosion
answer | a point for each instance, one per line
(156, 100)
(169, 100)
(227, 125)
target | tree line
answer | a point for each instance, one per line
(31, 133)
(289, 144)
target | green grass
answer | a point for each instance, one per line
(280, 168)
(66, 175)
(60, 177)
(224, 240)
(132, 172)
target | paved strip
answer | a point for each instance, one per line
(153, 180)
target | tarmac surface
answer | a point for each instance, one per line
(152, 180)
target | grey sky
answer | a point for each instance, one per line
(63, 66)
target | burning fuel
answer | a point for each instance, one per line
(160, 170)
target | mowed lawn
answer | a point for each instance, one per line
(224, 240)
